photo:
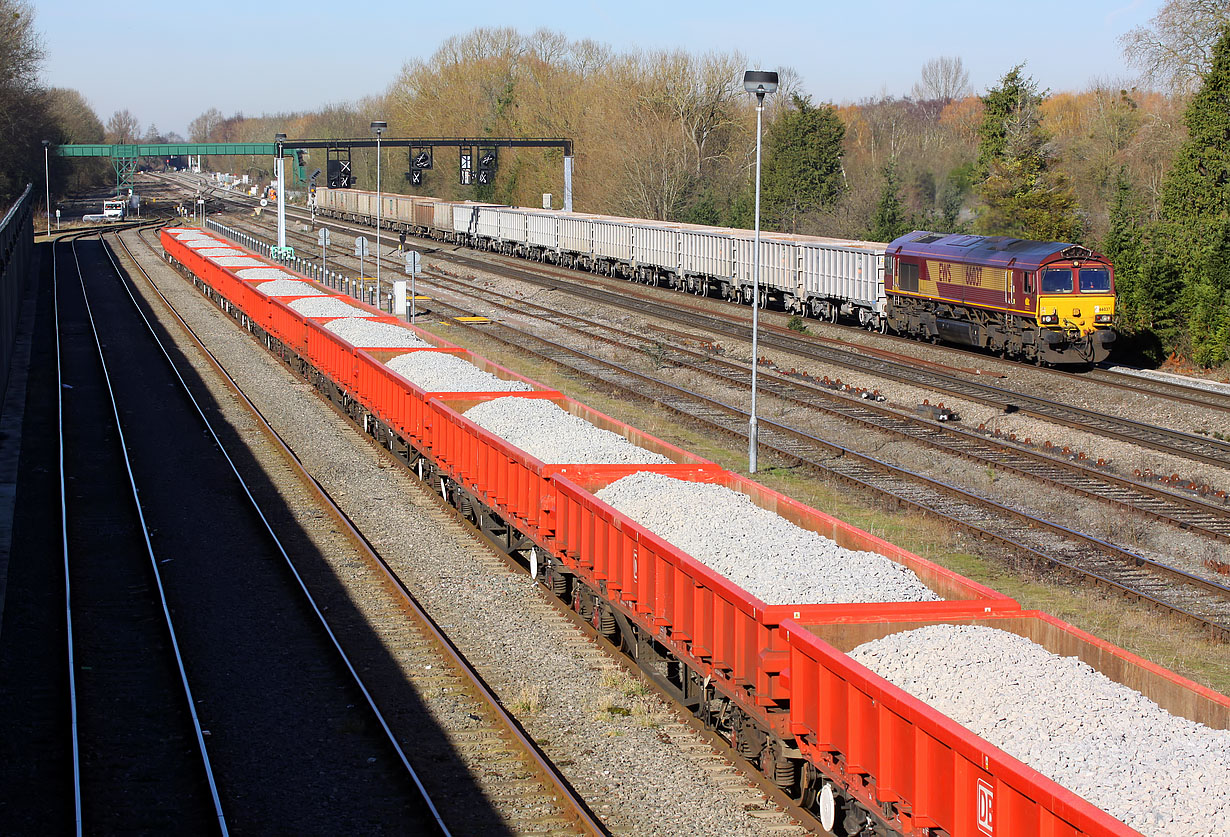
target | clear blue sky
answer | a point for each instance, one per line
(168, 62)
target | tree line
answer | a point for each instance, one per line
(1139, 171)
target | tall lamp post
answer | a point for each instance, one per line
(759, 82)
(279, 170)
(47, 180)
(379, 127)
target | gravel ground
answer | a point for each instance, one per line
(289, 287)
(363, 333)
(262, 272)
(1163, 775)
(643, 772)
(551, 434)
(329, 306)
(759, 550)
(444, 372)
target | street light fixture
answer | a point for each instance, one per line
(279, 169)
(761, 83)
(379, 127)
(47, 180)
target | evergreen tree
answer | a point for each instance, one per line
(890, 219)
(702, 210)
(1022, 193)
(1194, 237)
(742, 211)
(1124, 247)
(802, 165)
(1156, 296)
(1207, 298)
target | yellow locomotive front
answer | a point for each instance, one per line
(1077, 299)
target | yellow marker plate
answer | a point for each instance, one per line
(472, 319)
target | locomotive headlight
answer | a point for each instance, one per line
(1101, 318)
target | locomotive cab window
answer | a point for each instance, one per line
(1027, 284)
(907, 277)
(1095, 280)
(1057, 281)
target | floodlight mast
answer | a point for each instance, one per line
(379, 127)
(759, 82)
(279, 171)
(47, 181)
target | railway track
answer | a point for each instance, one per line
(1148, 385)
(138, 749)
(1199, 600)
(522, 791)
(270, 679)
(1183, 511)
(1194, 514)
(1190, 446)
(1202, 600)
(901, 368)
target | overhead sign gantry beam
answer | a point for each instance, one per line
(124, 156)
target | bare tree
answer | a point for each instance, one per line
(1175, 49)
(21, 52)
(202, 128)
(24, 118)
(942, 79)
(700, 94)
(73, 114)
(123, 127)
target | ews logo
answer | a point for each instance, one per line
(986, 808)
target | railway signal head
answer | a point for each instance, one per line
(421, 159)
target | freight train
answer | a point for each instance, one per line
(867, 757)
(1043, 302)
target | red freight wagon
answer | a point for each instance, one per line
(340, 360)
(220, 279)
(723, 632)
(883, 747)
(512, 482)
(384, 391)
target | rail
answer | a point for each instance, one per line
(149, 553)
